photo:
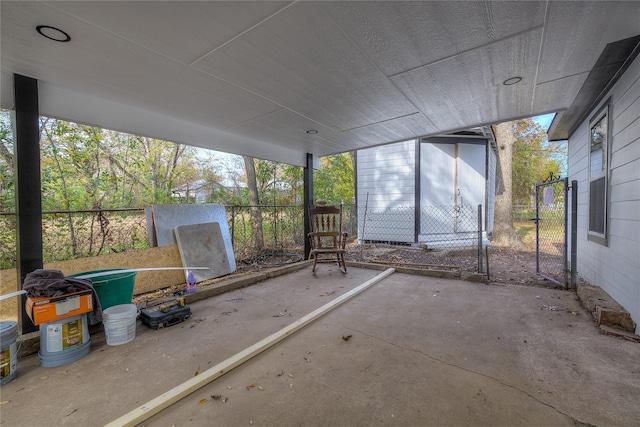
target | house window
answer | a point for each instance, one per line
(599, 141)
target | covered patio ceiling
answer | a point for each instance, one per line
(279, 79)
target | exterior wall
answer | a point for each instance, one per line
(388, 174)
(448, 174)
(615, 267)
(490, 202)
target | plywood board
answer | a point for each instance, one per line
(202, 245)
(168, 217)
(146, 281)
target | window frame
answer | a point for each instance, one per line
(596, 236)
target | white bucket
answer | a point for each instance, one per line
(120, 323)
(8, 353)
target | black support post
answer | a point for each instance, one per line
(480, 269)
(574, 234)
(28, 185)
(308, 201)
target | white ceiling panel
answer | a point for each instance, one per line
(105, 65)
(287, 128)
(558, 94)
(400, 129)
(184, 30)
(400, 36)
(577, 32)
(253, 76)
(302, 61)
(468, 88)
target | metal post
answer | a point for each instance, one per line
(307, 200)
(233, 226)
(565, 183)
(28, 184)
(486, 248)
(480, 269)
(574, 233)
(537, 220)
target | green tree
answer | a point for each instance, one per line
(256, 214)
(7, 194)
(335, 181)
(504, 233)
(534, 159)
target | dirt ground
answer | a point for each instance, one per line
(506, 266)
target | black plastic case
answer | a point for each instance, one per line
(154, 318)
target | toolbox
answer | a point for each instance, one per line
(164, 315)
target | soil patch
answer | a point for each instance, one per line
(506, 266)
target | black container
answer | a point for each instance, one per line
(155, 318)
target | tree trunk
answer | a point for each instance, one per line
(256, 214)
(504, 234)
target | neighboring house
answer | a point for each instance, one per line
(427, 191)
(604, 158)
(202, 191)
(198, 191)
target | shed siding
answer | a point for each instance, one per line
(490, 190)
(437, 180)
(616, 267)
(387, 180)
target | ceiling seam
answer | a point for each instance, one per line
(564, 77)
(387, 120)
(387, 78)
(324, 142)
(446, 58)
(244, 122)
(244, 32)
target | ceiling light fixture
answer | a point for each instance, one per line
(512, 81)
(53, 33)
(312, 131)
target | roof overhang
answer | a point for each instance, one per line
(281, 79)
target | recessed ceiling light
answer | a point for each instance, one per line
(312, 131)
(53, 33)
(512, 81)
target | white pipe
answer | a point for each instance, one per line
(131, 270)
(108, 273)
(12, 294)
(144, 412)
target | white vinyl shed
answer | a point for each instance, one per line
(427, 191)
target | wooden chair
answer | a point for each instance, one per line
(326, 237)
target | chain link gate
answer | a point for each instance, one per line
(551, 229)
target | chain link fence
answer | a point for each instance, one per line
(449, 237)
(442, 235)
(78, 234)
(551, 230)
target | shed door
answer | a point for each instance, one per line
(452, 186)
(471, 184)
(437, 187)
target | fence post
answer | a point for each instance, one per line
(233, 226)
(574, 233)
(480, 269)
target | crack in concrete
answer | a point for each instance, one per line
(472, 372)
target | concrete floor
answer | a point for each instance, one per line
(424, 351)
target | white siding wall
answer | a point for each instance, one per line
(471, 180)
(491, 190)
(615, 268)
(387, 173)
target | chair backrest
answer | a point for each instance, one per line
(326, 219)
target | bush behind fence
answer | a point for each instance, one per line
(78, 234)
